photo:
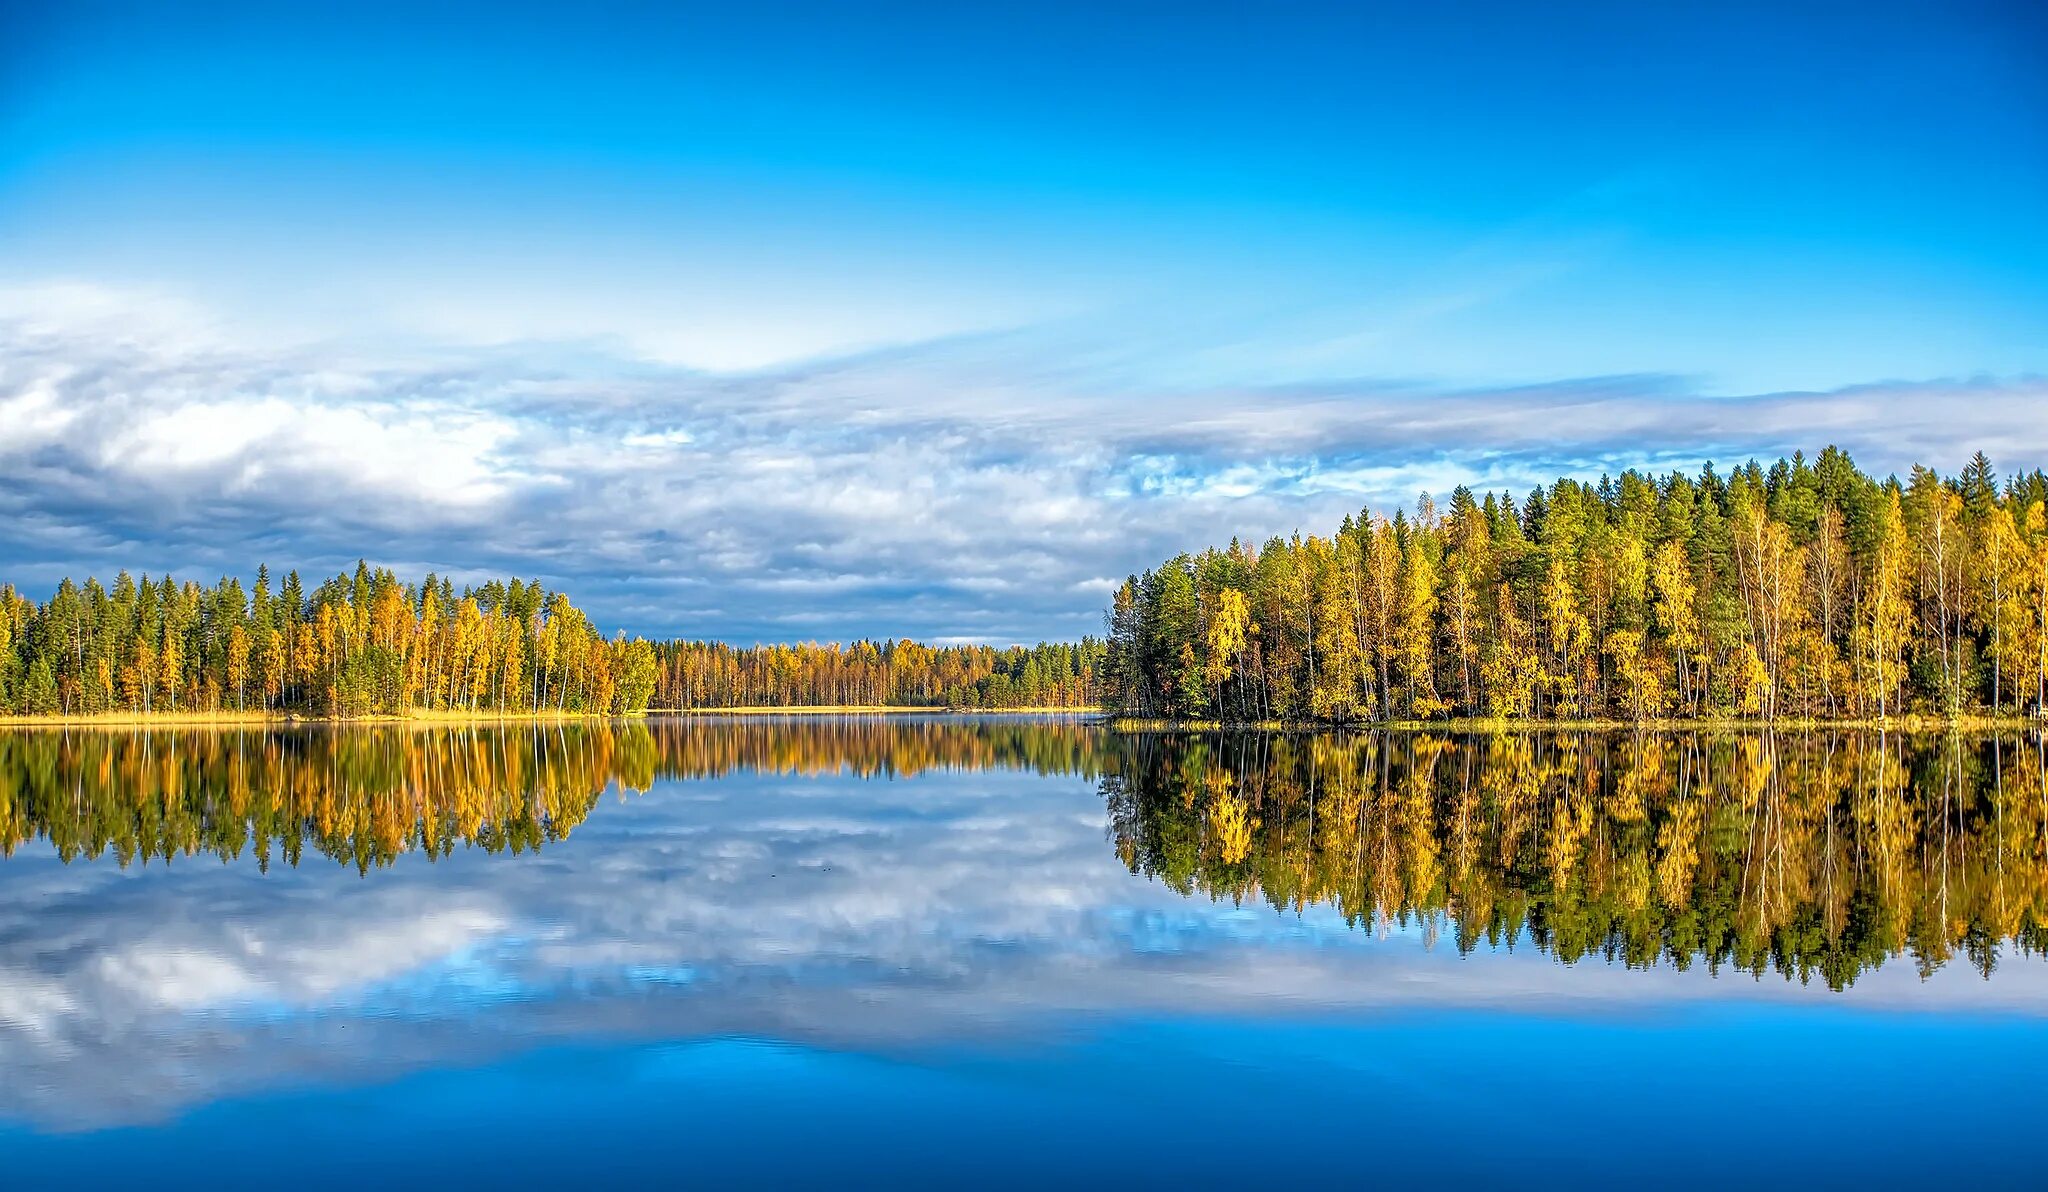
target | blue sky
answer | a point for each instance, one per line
(786, 321)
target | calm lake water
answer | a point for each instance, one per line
(1008, 951)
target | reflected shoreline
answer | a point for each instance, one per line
(1811, 855)
(1818, 855)
(366, 794)
(339, 906)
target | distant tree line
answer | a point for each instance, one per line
(367, 644)
(876, 673)
(1806, 589)
(355, 645)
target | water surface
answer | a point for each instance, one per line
(929, 950)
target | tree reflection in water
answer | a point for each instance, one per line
(366, 795)
(1813, 855)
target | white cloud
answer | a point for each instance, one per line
(655, 440)
(977, 488)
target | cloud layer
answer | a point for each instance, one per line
(987, 488)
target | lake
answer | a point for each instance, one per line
(927, 950)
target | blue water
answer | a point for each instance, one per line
(932, 981)
(1782, 1096)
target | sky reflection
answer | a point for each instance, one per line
(900, 918)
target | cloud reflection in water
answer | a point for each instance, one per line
(883, 886)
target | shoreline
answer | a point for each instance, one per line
(1477, 725)
(875, 710)
(232, 719)
(1919, 723)
(242, 719)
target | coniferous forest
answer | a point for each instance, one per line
(1805, 590)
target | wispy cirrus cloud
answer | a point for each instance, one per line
(982, 487)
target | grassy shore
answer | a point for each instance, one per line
(866, 710)
(231, 719)
(1473, 725)
(1469, 725)
(153, 719)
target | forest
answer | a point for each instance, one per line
(355, 645)
(369, 644)
(869, 673)
(1803, 591)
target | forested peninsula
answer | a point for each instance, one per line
(368, 644)
(1807, 590)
